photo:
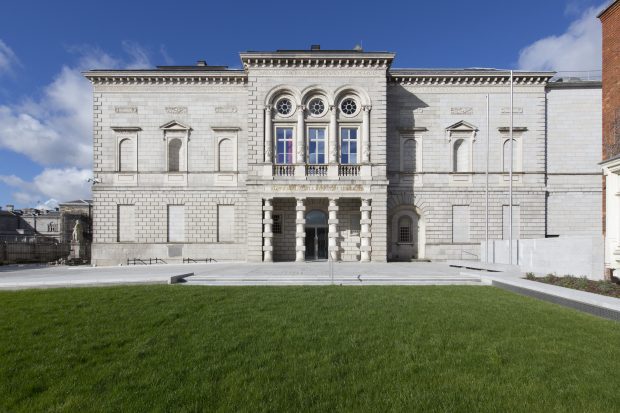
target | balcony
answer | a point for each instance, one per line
(320, 171)
(316, 170)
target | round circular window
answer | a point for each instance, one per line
(348, 107)
(284, 106)
(316, 107)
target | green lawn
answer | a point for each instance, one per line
(375, 349)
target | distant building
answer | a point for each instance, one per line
(40, 225)
(610, 20)
(38, 235)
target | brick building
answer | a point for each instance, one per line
(610, 20)
(302, 154)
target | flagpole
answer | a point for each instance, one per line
(510, 168)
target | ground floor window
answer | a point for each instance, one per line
(404, 229)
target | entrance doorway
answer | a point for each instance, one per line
(316, 235)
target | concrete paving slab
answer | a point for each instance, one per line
(36, 276)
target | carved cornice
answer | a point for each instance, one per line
(154, 77)
(257, 60)
(466, 77)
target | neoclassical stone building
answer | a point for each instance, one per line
(302, 154)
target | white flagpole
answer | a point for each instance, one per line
(486, 220)
(510, 169)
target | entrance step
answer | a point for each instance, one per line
(214, 280)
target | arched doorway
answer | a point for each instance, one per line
(316, 235)
(408, 235)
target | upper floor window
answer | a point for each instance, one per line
(349, 106)
(348, 145)
(409, 155)
(226, 155)
(284, 106)
(284, 145)
(316, 145)
(126, 155)
(515, 156)
(460, 156)
(174, 154)
(316, 107)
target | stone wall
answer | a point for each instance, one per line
(574, 181)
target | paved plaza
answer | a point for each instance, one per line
(311, 273)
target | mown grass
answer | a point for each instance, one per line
(375, 349)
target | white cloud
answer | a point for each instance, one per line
(579, 48)
(53, 183)
(55, 130)
(8, 59)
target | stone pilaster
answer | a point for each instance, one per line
(300, 232)
(366, 134)
(333, 135)
(333, 229)
(268, 139)
(301, 141)
(267, 231)
(365, 232)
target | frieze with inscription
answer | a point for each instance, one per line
(225, 109)
(126, 109)
(176, 110)
(514, 110)
(462, 111)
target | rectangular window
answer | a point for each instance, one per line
(348, 146)
(316, 145)
(225, 223)
(277, 224)
(460, 223)
(176, 223)
(284, 145)
(516, 218)
(355, 224)
(126, 220)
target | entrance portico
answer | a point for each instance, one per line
(317, 228)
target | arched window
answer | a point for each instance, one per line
(126, 156)
(226, 155)
(316, 218)
(409, 148)
(404, 229)
(174, 155)
(460, 157)
(506, 150)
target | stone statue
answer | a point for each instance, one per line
(77, 232)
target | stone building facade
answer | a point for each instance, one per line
(303, 155)
(610, 20)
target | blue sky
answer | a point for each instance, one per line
(44, 45)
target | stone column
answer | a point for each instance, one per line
(366, 134)
(333, 135)
(267, 231)
(365, 233)
(333, 228)
(300, 232)
(268, 141)
(301, 142)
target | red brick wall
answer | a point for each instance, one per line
(610, 20)
(611, 81)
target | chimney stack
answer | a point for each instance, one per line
(201, 63)
(315, 47)
(10, 207)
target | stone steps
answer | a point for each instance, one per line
(214, 280)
